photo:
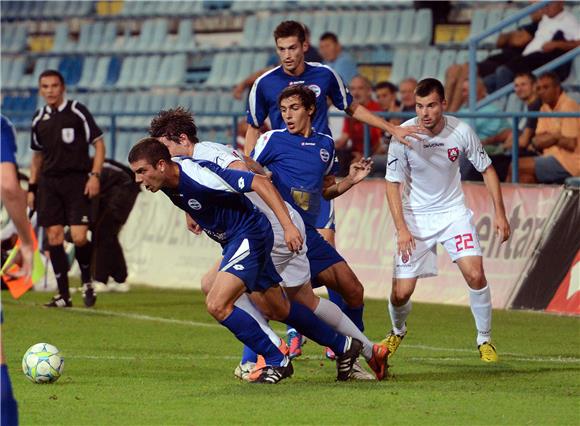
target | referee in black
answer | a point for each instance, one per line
(63, 180)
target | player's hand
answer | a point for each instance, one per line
(359, 170)
(502, 227)
(27, 253)
(238, 91)
(192, 225)
(30, 198)
(293, 238)
(92, 187)
(400, 133)
(405, 244)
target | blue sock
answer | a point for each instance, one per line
(249, 355)
(248, 331)
(355, 314)
(308, 324)
(9, 406)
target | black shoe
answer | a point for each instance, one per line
(58, 302)
(272, 375)
(345, 362)
(89, 295)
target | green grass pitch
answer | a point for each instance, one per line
(155, 357)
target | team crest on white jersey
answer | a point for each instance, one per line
(324, 155)
(68, 135)
(194, 204)
(453, 153)
(315, 89)
(241, 183)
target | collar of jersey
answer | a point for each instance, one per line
(60, 107)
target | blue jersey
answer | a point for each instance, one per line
(324, 82)
(8, 136)
(298, 167)
(214, 198)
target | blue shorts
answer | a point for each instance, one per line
(7, 152)
(325, 218)
(249, 260)
(549, 170)
(320, 254)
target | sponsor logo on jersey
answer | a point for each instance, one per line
(292, 83)
(453, 153)
(194, 204)
(238, 267)
(85, 219)
(433, 145)
(324, 155)
(315, 89)
(68, 135)
(307, 144)
(241, 183)
(392, 163)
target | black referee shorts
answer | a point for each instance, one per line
(61, 200)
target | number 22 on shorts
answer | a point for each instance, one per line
(464, 242)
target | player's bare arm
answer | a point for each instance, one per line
(35, 167)
(266, 190)
(358, 171)
(405, 241)
(252, 135)
(493, 186)
(361, 113)
(93, 185)
(192, 225)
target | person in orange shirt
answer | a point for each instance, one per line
(558, 139)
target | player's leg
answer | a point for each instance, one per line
(209, 277)
(399, 309)
(9, 411)
(59, 260)
(83, 255)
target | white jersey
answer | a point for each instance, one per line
(429, 170)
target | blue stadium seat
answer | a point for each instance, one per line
(423, 28)
(60, 37)
(447, 58)
(494, 16)
(362, 26)
(127, 69)
(130, 105)
(138, 74)
(89, 71)
(109, 37)
(415, 63)
(16, 71)
(198, 101)
(185, 38)
(250, 26)
(391, 27)
(430, 64)
(96, 77)
(376, 26)
(218, 69)
(319, 26)
(114, 71)
(478, 22)
(399, 70)
(151, 69)
(406, 26)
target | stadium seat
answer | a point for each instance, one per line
(197, 102)
(362, 26)
(406, 26)
(218, 69)
(60, 37)
(249, 34)
(494, 16)
(138, 74)
(423, 27)
(431, 64)
(415, 63)
(446, 59)
(130, 104)
(399, 70)
(151, 69)
(185, 38)
(376, 27)
(127, 69)
(391, 27)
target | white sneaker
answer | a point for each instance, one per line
(243, 371)
(359, 373)
(101, 287)
(119, 287)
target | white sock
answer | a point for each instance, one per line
(480, 301)
(245, 303)
(399, 315)
(334, 317)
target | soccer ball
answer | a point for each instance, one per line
(42, 363)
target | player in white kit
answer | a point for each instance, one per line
(432, 210)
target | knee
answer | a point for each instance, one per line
(217, 309)
(80, 240)
(354, 294)
(279, 311)
(476, 279)
(400, 295)
(55, 238)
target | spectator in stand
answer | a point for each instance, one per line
(386, 93)
(557, 139)
(485, 128)
(311, 55)
(558, 32)
(353, 130)
(339, 60)
(407, 90)
(511, 44)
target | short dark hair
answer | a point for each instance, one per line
(528, 74)
(172, 123)
(429, 85)
(305, 94)
(290, 29)
(51, 73)
(552, 76)
(387, 85)
(329, 36)
(151, 150)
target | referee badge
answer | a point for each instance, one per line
(68, 135)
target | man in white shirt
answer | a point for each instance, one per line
(432, 210)
(557, 33)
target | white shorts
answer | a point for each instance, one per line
(294, 268)
(454, 229)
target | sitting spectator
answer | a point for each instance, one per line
(558, 31)
(511, 44)
(386, 93)
(311, 55)
(337, 59)
(485, 128)
(353, 130)
(556, 138)
(407, 90)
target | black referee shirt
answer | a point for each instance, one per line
(63, 136)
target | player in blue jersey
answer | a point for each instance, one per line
(302, 163)
(212, 196)
(176, 129)
(291, 45)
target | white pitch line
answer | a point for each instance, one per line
(142, 317)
